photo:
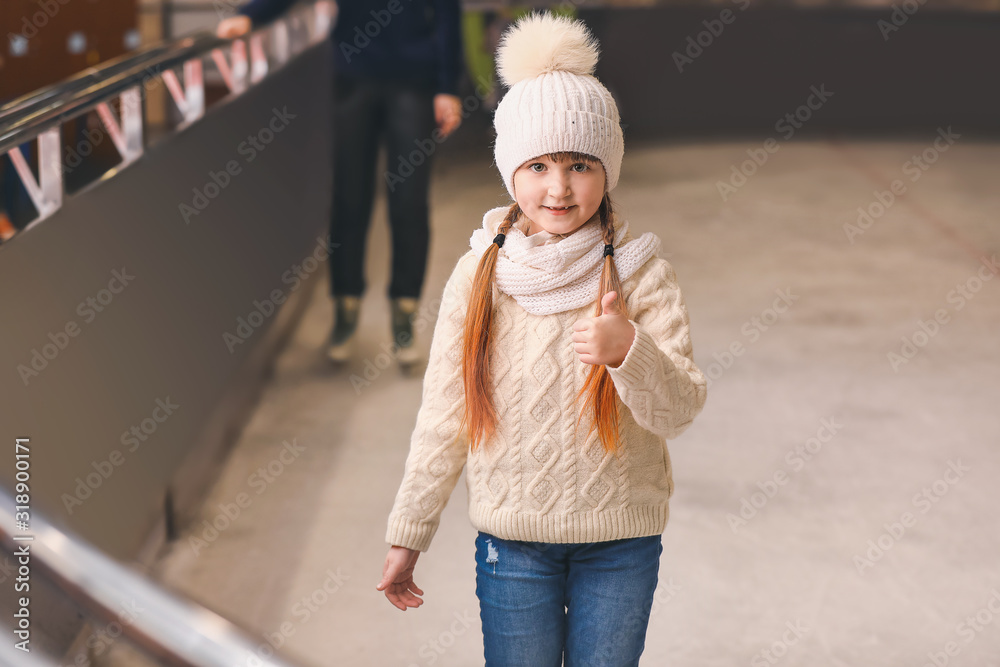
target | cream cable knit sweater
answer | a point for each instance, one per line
(539, 478)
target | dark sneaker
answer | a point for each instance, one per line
(404, 309)
(342, 339)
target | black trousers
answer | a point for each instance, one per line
(367, 112)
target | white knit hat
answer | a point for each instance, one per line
(554, 103)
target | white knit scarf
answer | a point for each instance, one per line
(561, 276)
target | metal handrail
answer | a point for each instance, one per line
(71, 98)
(241, 61)
(172, 629)
(80, 80)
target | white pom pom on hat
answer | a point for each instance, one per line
(541, 43)
(554, 103)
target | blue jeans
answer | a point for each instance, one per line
(538, 600)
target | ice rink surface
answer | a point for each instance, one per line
(836, 500)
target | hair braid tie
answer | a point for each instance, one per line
(609, 249)
(499, 239)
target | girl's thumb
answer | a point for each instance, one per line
(609, 304)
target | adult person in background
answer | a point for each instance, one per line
(397, 65)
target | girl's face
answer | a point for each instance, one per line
(559, 196)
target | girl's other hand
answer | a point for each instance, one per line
(397, 578)
(605, 339)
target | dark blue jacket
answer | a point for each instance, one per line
(392, 40)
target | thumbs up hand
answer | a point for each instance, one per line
(605, 339)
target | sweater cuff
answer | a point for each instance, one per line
(641, 358)
(411, 534)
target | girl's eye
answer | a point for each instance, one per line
(576, 164)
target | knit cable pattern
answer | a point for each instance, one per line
(540, 478)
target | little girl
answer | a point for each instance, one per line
(560, 364)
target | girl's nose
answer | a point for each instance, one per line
(558, 185)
